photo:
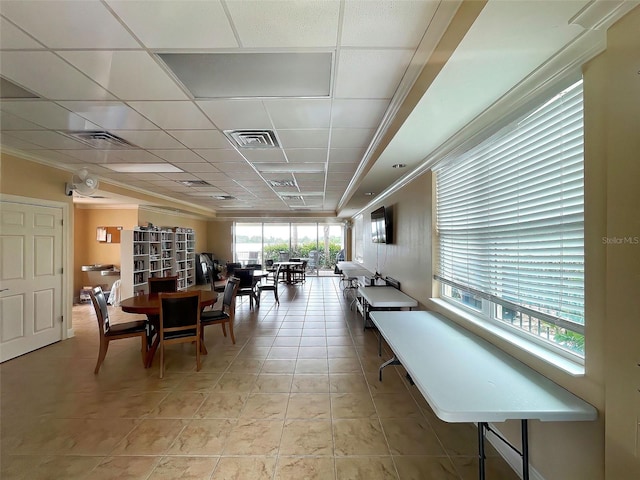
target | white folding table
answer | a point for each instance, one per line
(378, 297)
(464, 378)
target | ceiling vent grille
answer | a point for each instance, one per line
(99, 139)
(194, 183)
(224, 197)
(291, 197)
(253, 138)
(282, 183)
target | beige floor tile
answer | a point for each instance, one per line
(313, 352)
(348, 383)
(236, 382)
(272, 383)
(310, 383)
(312, 365)
(254, 437)
(279, 366)
(184, 468)
(265, 406)
(202, 437)
(411, 436)
(306, 437)
(467, 468)
(245, 468)
(361, 436)
(179, 404)
(150, 437)
(124, 468)
(345, 365)
(365, 468)
(47, 467)
(313, 342)
(309, 406)
(396, 405)
(306, 468)
(352, 405)
(425, 468)
(222, 405)
(246, 365)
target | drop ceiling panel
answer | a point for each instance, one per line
(252, 74)
(115, 69)
(49, 76)
(299, 113)
(148, 138)
(236, 114)
(358, 113)
(383, 70)
(263, 155)
(201, 138)
(12, 37)
(110, 115)
(351, 137)
(87, 23)
(312, 138)
(13, 122)
(14, 142)
(384, 23)
(198, 168)
(47, 114)
(48, 139)
(299, 155)
(173, 115)
(177, 24)
(312, 23)
(178, 156)
(346, 155)
(220, 155)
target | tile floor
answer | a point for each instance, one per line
(296, 398)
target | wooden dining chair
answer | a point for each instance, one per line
(247, 286)
(270, 283)
(163, 284)
(116, 331)
(179, 322)
(225, 315)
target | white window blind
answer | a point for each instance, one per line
(510, 215)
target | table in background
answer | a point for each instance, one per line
(149, 305)
(286, 267)
(464, 378)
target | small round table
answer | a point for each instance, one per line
(149, 305)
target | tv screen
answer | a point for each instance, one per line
(381, 227)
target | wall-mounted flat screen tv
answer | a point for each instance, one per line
(381, 226)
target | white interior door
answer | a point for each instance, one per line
(30, 278)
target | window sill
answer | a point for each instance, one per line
(473, 323)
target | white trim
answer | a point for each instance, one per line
(67, 255)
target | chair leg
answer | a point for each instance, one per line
(203, 347)
(224, 330)
(197, 353)
(233, 338)
(275, 294)
(144, 349)
(104, 346)
(161, 359)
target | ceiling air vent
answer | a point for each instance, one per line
(99, 139)
(291, 197)
(194, 183)
(252, 138)
(282, 183)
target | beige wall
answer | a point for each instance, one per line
(221, 240)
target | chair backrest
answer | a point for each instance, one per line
(269, 262)
(283, 256)
(163, 284)
(100, 306)
(313, 258)
(254, 266)
(229, 296)
(246, 277)
(231, 268)
(179, 312)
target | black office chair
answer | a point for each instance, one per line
(179, 322)
(116, 331)
(225, 315)
(270, 283)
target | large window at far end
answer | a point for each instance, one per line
(510, 225)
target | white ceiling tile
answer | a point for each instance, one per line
(312, 23)
(310, 138)
(341, 168)
(8, 140)
(156, 139)
(358, 113)
(386, 23)
(315, 155)
(299, 113)
(263, 155)
(9, 121)
(178, 156)
(177, 24)
(114, 70)
(346, 155)
(236, 114)
(48, 139)
(351, 137)
(137, 156)
(47, 114)
(198, 167)
(220, 155)
(173, 115)
(110, 115)
(383, 70)
(201, 138)
(87, 23)
(12, 37)
(95, 156)
(47, 75)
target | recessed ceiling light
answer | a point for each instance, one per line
(399, 165)
(282, 183)
(290, 167)
(194, 183)
(368, 194)
(142, 168)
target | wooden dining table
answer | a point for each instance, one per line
(286, 267)
(149, 304)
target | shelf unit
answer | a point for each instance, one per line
(156, 253)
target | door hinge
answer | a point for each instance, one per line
(61, 318)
